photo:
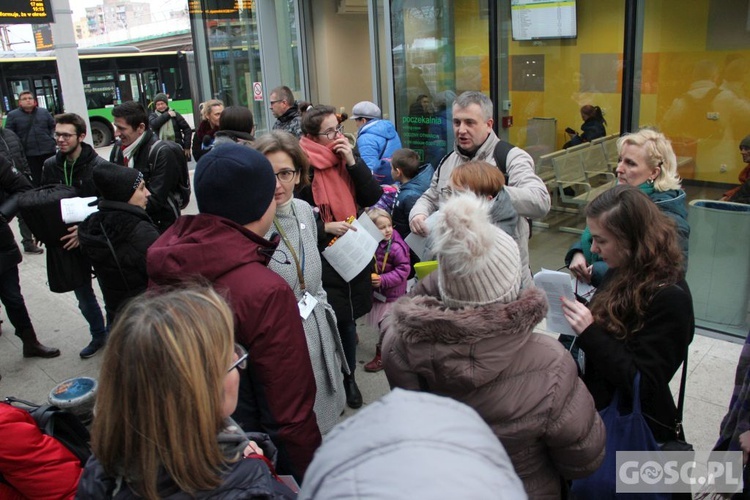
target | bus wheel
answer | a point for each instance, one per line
(101, 134)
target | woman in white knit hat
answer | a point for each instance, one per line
(466, 332)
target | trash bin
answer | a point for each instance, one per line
(719, 262)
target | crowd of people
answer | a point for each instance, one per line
(254, 331)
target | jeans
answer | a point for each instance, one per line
(10, 294)
(90, 309)
(348, 333)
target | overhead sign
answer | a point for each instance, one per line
(43, 37)
(26, 12)
(219, 9)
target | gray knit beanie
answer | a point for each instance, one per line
(161, 97)
(478, 263)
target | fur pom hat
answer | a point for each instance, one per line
(478, 263)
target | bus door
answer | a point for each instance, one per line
(129, 87)
(151, 84)
(16, 86)
(48, 94)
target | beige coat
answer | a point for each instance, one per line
(525, 385)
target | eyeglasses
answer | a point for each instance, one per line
(63, 135)
(286, 175)
(241, 362)
(274, 102)
(332, 133)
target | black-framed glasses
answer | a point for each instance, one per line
(286, 175)
(274, 102)
(63, 135)
(241, 362)
(331, 133)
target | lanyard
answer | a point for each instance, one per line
(385, 259)
(68, 180)
(300, 268)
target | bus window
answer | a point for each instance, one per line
(130, 89)
(48, 94)
(16, 87)
(150, 84)
(99, 89)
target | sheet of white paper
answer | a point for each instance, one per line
(368, 225)
(77, 209)
(418, 244)
(353, 251)
(555, 284)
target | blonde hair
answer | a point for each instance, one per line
(659, 154)
(479, 177)
(161, 391)
(207, 106)
(375, 213)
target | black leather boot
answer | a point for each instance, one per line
(31, 346)
(353, 396)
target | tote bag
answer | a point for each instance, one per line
(624, 433)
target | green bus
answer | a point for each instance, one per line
(111, 75)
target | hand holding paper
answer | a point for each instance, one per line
(556, 284)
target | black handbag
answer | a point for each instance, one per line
(679, 443)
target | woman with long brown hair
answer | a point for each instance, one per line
(168, 383)
(641, 317)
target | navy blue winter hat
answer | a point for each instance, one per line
(235, 182)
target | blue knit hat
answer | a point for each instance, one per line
(235, 182)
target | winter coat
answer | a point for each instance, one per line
(162, 178)
(12, 149)
(528, 193)
(590, 129)
(277, 391)
(376, 140)
(33, 464)
(129, 230)
(182, 131)
(12, 182)
(412, 445)
(523, 384)
(233, 136)
(407, 196)
(323, 341)
(397, 267)
(290, 121)
(671, 202)
(656, 350)
(205, 129)
(71, 268)
(35, 130)
(353, 299)
(242, 478)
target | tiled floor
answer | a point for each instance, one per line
(58, 323)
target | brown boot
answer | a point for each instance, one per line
(31, 346)
(376, 364)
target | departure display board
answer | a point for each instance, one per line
(539, 19)
(25, 12)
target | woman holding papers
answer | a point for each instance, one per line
(340, 186)
(641, 317)
(646, 161)
(297, 261)
(466, 332)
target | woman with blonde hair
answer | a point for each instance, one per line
(297, 260)
(168, 383)
(204, 135)
(646, 161)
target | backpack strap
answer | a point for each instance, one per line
(501, 157)
(440, 165)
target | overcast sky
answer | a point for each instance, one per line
(22, 33)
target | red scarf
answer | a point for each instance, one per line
(332, 186)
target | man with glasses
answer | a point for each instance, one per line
(235, 189)
(285, 110)
(67, 268)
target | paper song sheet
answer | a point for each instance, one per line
(556, 284)
(353, 251)
(419, 244)
(77, 209)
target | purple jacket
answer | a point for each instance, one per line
(393, 278)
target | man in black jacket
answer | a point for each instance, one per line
(73, 165)
(12, 149)
(133, 149)
(13, 182)
(35, 127)
(169, 125)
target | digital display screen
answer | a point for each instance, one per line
(540, 19)
(25, 12)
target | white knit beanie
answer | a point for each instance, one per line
(478, 263)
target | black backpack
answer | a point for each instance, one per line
(182, 194)
(61, 425)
